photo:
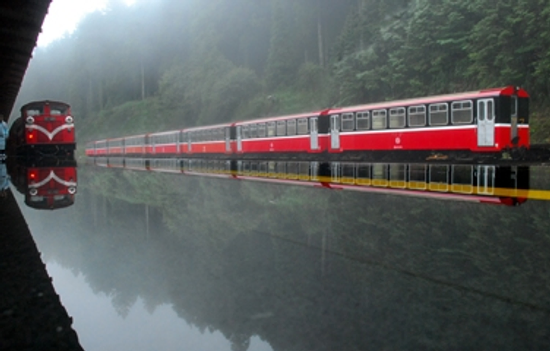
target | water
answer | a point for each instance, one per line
(202, 263)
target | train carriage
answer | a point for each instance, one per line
(135, 145)
(164, 144)
(45, 128)
(209, 140)
(90, 149)
(115, 147)
(101, 148)
(481, 121)
(299, 133)
(475, 124)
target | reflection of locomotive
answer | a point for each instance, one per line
(482, 122)
(44, 128)
(45, 187)
(477, 183)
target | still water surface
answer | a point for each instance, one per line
(147, 260)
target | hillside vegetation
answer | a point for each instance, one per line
(170, 64)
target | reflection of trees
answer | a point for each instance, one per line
(317, 269)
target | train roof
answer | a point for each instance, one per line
(503, 91)
(219, 125)
(44, 102)
(276, 118)
(161, 133)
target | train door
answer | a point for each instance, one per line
(239, 139)
(485, 122)
(227, 140)
(514, 119)
(485, 179)
(189, 148)
(314, 133)
(335, 132)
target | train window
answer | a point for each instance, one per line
(244, 132)
(397, 117)
(302, 126)
(261, 130)
(347, 122)
(271, 129)
(397, 175)
(462, 179)
(362, 120)
(253, 131)
(34, 112)
(348, 173)
(379, 119)
(292, 170)
(58, 109)
(417, 176)
(291, 127)
(363, 174)
(272, 169)
(303, 170)
(439, 114)
(380, 174)
(281, 128)
(280, 169)
(417, 116)
(254, 168)
(462, 112)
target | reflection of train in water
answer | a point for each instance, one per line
(479, 122)
(44, 128)
(45, 187)
(477, 183)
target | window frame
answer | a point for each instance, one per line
(379, 115)
(446, 113)
(345, 117)
(471, 120)
(411, 125)
(399, 112)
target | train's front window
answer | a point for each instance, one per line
(57, 109)
(34, 111)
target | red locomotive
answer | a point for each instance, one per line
(44, 128)
(44, 186)
(479, 122)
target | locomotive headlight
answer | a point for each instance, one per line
(33, 191)
(30, 120)
(69, 119)
(71, 190)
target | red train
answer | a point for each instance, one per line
(44, 128)
(505, 185)
(45, 186)
(480, 122)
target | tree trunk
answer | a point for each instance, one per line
(142, 80)
(320, 36)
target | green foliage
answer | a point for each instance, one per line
(210, 61)
(283, 60)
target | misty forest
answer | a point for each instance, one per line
(168, 64)
(303, 269)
